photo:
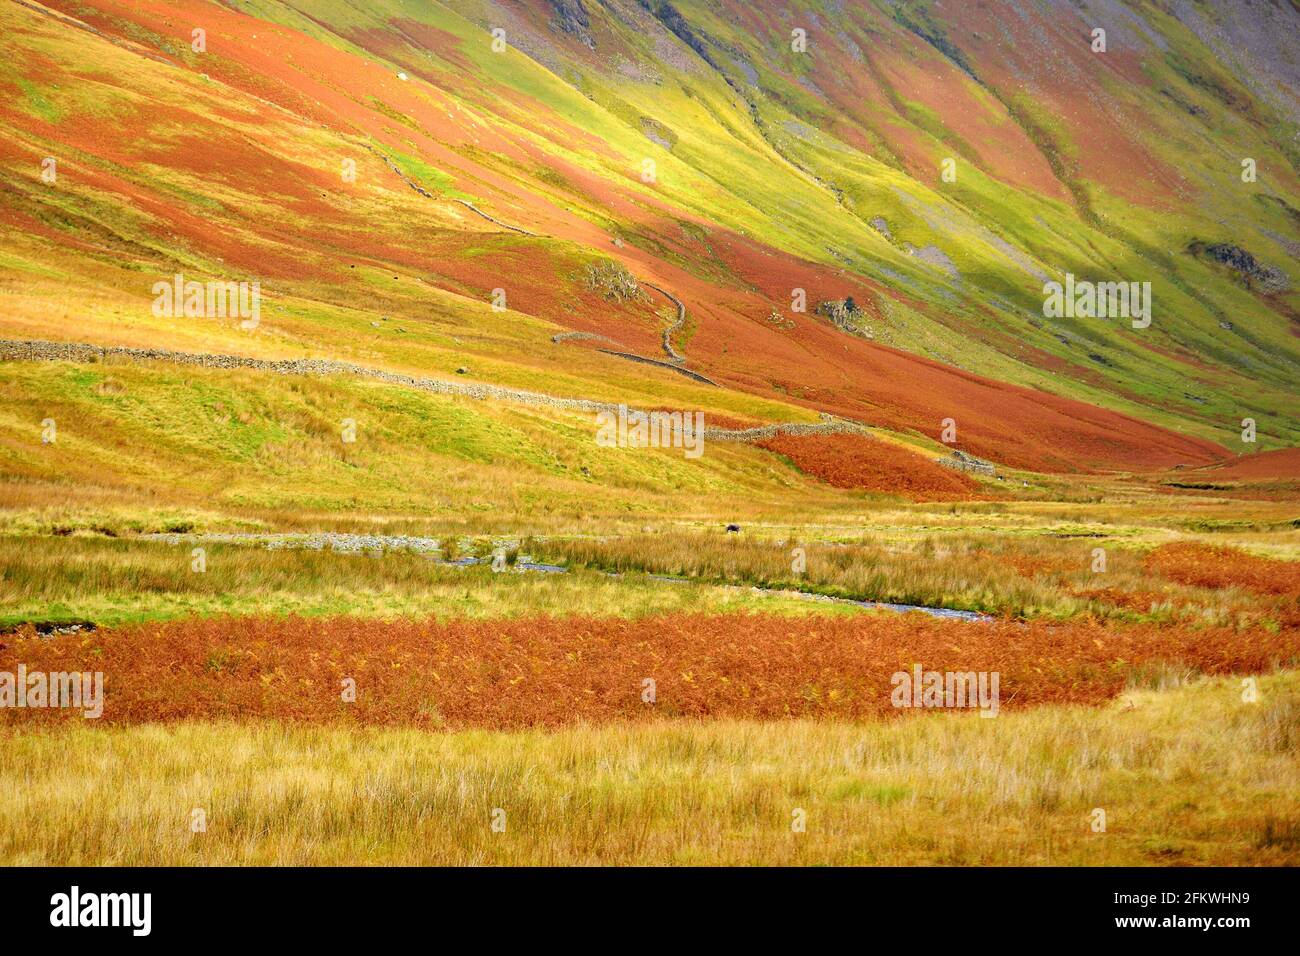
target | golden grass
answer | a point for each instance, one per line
(1113, 512)
(1190, 775)
(111, 581)
(193, 437)
(996, 572)
(1025, 560)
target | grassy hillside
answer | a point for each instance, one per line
(774, 170)
(254, 440)
(364, 574)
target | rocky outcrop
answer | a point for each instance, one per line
(844, 313)
(1257, 276)
(571, 17)
(612, 282)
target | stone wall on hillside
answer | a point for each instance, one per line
(12, 350)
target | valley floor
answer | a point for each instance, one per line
(1147, 650)
(556, 508)
(1187, 775)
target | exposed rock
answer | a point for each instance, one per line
(844, 313)
(670, 17)
(571, 17)
(658, 133)
(779, 320)
(932, 255)
(612, 281)
(1257, 276)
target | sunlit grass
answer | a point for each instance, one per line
(1190, 775)
(243, 440)
(105, 581)
(84, 560)
(1040, 576)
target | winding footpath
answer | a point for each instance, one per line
(37, 350)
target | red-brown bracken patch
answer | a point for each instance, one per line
(302, 227)
(1032, 565)
(554, 671)
(856, 461)
(1219, 567)
(1279, 464)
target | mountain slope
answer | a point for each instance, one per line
(773, 171)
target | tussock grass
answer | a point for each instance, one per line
(86, 564)
(114, 581)
(1186, 776)
(997, 573)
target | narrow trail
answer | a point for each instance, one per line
(35, 350)
(676, 360)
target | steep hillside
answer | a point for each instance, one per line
(386, 174)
